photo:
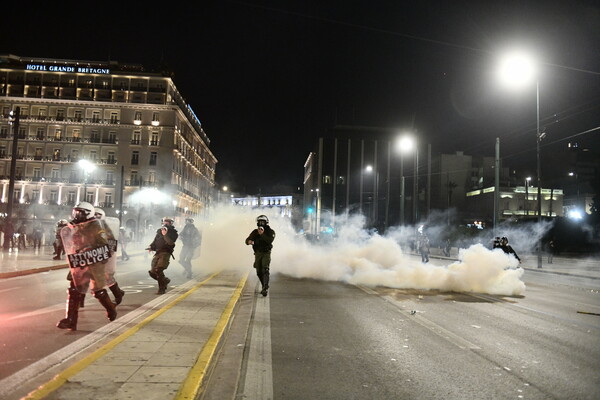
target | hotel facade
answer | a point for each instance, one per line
(144, 151)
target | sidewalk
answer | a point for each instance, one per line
(161, 351)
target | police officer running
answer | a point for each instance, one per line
(191, 238)
(87, 248)
(261, 239)
(163, 246)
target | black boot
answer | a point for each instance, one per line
(163, 281)
(82, 301)
(111, 308)
(117, 292)
(265, 282)
(73, 301)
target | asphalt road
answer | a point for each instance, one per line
(328, 340)
(322, 340)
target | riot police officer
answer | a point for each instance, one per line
(261, 239)
(163, 246)
(87, 248)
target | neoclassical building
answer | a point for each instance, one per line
(144, 148)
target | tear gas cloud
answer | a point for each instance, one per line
(358, 256)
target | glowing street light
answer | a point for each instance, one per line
(517, 69)
(405, 144)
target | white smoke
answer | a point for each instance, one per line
(355, 256)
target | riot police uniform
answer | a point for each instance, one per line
(163, 246)
(261, 240)
(87, 248)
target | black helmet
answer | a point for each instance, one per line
(262, 220)
(82, 212)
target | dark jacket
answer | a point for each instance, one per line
(190, 236)
(509, 250)
(262, 243)
(164, 243)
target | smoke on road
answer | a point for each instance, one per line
(356, 256)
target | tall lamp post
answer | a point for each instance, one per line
(88, 167)
(517, 69)
(405, 144)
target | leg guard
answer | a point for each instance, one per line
(153, 275)
(73, 301)
(111, 308)
(117, 292)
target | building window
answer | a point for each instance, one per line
(89, 197)
(114, 117)
(37, 172)
(76, 135)
(78, 115)
(55, 173)
(135, 157)
(71, 198)
(134, 178)
(57, 134)
(111, 157)
(155, 120)
(136, 137)
(53, 196)
(96, 116)
(137, 120)
(112, 137)
(154, 139)
(108, 199)
(153, 157)
(341, 180)
(93, 155)
(39, 135)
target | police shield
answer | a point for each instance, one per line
(88, 251)
(111, 227)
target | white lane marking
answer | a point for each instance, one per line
(45, 310)
(424, 322)
(258, 384)
(9, 289)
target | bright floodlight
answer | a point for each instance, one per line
(575, 214)
(87, 165)
(406, 143)
(516, 69)
(369, 168)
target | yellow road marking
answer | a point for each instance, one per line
(193, 382)
(60, 379)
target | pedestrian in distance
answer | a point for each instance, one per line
(191, 238)
(163, 246)
(22, 239)
(261, 239)
(123, 240)
(88, 250)
(551, 250)
(423, 246)
(59, 248)
(37, 236)
(9, 232)
(507, 248)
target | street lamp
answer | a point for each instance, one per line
(527, 180)
(88, 167)
(516, 70)
(405, 144)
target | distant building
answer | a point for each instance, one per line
(148, 147)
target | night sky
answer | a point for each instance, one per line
(267, 78)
